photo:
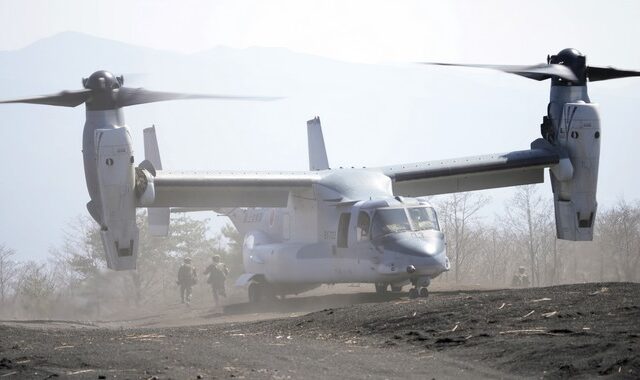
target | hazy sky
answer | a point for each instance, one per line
(362, 30)
(368, 31)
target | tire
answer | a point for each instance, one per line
(268, 293)
(424, 292)
(255, 292)
(413, 293)
(381, 288)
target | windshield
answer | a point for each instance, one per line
(386, 221)
(423, 218)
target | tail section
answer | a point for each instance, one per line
(158, 216)
(317, 151)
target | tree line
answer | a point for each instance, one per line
(483, 251)
(489, 252)
(75, 281)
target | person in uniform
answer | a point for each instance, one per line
(520, 279)
(186, 280)
(217, 272)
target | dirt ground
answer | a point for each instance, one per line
(580, 331)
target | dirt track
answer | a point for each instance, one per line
(567, 331)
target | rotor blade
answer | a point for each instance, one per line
(538, 72)
(595, 73)
(63, 99)
(128, 96)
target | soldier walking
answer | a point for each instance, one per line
(520, 279)
(186, 280)
(217, 272)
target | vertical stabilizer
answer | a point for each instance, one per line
(151, 150)
(158, 217)
(317, 152)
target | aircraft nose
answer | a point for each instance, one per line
(417, 247)
(424, 254)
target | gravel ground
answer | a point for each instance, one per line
(583, 331)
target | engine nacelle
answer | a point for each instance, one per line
(116, 181)
(574, 196)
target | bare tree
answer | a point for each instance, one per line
(159, 256)
(233, 254)
(8, 271)
(81, 253)
(82, 260)
(618, 233)
(458, 213)
(529, 217)
(496, 253)
(35, 289)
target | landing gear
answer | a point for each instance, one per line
(381, 288)
(415, 293)
(260, 292)
(396, 289)
(255, 292)
(419, 287)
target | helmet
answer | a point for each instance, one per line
(216, 258)
(187, 259)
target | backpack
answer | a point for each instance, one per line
(216, 274)
(185, 275)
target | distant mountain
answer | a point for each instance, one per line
(371, 114)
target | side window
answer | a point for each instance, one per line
(364, 222)
(343, 230)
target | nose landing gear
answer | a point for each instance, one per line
(415, 293)
(419, 287)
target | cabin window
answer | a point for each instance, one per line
(343, 230)
(364, 223)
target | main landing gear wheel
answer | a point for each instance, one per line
(424, 292)
(260, 292)
(381, 288)
(255, 292)
(413, 293)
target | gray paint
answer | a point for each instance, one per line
(109, 119)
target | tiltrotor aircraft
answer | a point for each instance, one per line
(368, 225)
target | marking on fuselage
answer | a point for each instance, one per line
(330, 235)
(253, 217)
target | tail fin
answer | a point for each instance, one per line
(317, 152)
(158, 217)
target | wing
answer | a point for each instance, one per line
(472, 173)
(228, 189)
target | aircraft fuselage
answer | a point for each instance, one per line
(349, 229)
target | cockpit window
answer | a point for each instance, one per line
(389, 220)
(423, 218)
(386, 221)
